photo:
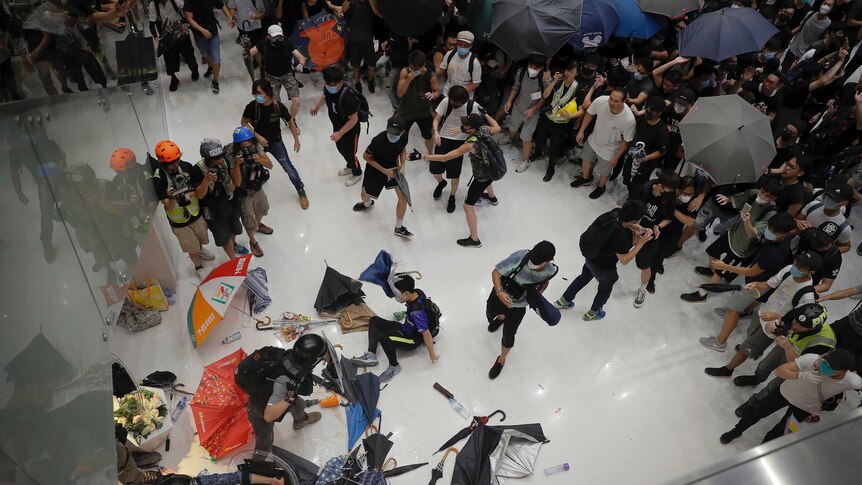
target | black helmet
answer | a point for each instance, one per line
(309, 348)
(810, 315)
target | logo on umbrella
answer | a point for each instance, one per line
(222, 294)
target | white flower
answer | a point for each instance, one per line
(136, 419)
(122, 421)
(149, 429)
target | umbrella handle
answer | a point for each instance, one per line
(416, 275)
(499, 411)
(386, 463)
(446, 454)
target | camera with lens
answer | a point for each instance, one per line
(247, 154)
(181, 185)
(220, 172)
(782, 330)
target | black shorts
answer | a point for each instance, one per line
(720, 249)
(359, 52)
(374, 181)
(648, 256)
(475, 191)
(452, 168)
(425, 127)
(224, 221)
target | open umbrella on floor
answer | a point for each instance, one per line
(476, 422)
(635, 23)
(669, 8)
(525, 27)
(598, 21)
(725, 33)
(728, 138)
(337, 291)
(411, 18)
(213, 297)
(494, 454)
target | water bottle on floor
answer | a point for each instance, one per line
(564, 467)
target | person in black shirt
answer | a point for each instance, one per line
(218, 197)
(660, 198)
(792, 198)
(649, 146)
(639, 87)
(264, 116)
(342, 103)
(785, 144)
(277, 65)
(766, 94)
(360, 39)
(680, 104)
(623, 238)
(386, 153)
(200, 14)
(762, 62)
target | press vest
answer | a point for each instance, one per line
(825, 337)
(180, 215)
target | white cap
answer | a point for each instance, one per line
(275, 31)
(466, 36)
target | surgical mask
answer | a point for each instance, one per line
(393, 138)
(761, 201)
(825, 369)
(769, 235)
(703, 84)
(684, 198)
(796, 272)
(587, 71)
(678, 108)
(825, 9)
(331, 89)
(787, 136)
(769, 55)
(400, 297)
(829, 204)
(463, 51)
(260, 98)
(638, 76)
(532, 72)
(533, 266)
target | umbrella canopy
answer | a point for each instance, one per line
(669, 8)
(728, 138)
(377, 447)
(412, 18)
(496, 453)
(404, 186)
(525, 27)
(218, 408)
(336, 292)
(598, 21)
(356, 423)
(634, 23)
(381, 272)
(477, 420)
(367, 388)
(213, 297)
(305, 471)
(725, 33)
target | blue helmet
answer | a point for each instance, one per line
(242, 134)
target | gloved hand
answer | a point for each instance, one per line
(810, 377)
(414, 155)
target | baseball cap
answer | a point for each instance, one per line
(474, 120)
(275, 31)
(810, 260)
(395, 125)
(542, 252)
(674, 77)
(466, 36)
(839, 192)
(686, 95)
(840, 359)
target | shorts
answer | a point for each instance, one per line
(648, 255)
(475, 191)
(720, 249)
(210, 49)
(359, 52)
(451, 167)
(224, 222)
(740, 300)
(757, 341)
(192, 236)
(425, 126)
(288, 81)
(602, 167)
(254, 206)
(374, 181)
(518, 122)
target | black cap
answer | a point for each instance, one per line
(405, 283)
(542, 252)
(810, 260)
(674, 77)
(686, 95)
(474, 120)
(840, 359)
(839, 192)
(395, 125)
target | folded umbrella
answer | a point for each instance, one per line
(669, 8)
(720, 287)
(404, 186)
(525, 27)
(377, 447)
(598, 21)
(725, 33)
(401, 470)
(367, 388)
(437, 472)
(336, 292)
(256, 283)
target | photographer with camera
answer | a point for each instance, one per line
(274, 379)
(175, 181)
(254, 167)
(217, 193)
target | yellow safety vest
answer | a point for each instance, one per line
(825, 337)
(180, 215)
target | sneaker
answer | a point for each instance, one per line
(438, 191)
(722, 371)
(202, 273)
(640, 296)
(704, 271)
(358, 87)
(366, 360)
(352, 180)
(370, 82)
(712, 343)
(523, 166)
(491, 200)
(562, 304)
(256, 249)
(548, 176)
(650, 288)
(215, 87)
(729, 436)
(469, 243)
(701, 235)
(240, 249)
(361, 207)
(660, 269)
(694, 297)
(208, 73)
(310, 418)
(196, 75)
(580, 181)
(495, 369)
(494, 325)
(597, 192)
(403, 232)
(303, 201)
(450, 205)
(859, 249)
(206, 255)
(746, 381)
(344, 172)
(537, 155)
(590, 315)
(175, 83)
(390, 373)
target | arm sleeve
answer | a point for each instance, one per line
(188, 5)
(196, 176)
(279, 391)
(442, 107)
(844, 237)
(778, 277)
(248, 112)
(419, 320)
(629, 132)
(284, 112)
(508, 265)
(444, 64)
(594, 107)
(806, 362)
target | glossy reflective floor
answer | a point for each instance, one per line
(623, 400)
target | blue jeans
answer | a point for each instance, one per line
(605, 277)
(279, 151)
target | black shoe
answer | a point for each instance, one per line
(722, 371)
(469, 243)
(495, 370)
(494, 325)
(208, 73)
(215, 87)
(175, 83)
(704, 271)
(536, 156)
(694, 297)
(361, 207)
(438, 191)
(370, 81)
(729, 436)
(358, 87)
(403, 232)
(746, 381)
(450, 205)
(196, 75)
(66, 89)
(660, 269)
(701, 235)
(548, 175)
(580, 182)
(597, 192)
(492, 200)
(859, 249)
(741, 410)
(650, 288)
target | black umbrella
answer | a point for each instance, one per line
(411, 17)
(401, 470)
(720, 287)
(525, 27)
(518, 456)
(367, 390)
(337, 291)
(376, 446)
(477, 421)
(437, 472)
(305, 470)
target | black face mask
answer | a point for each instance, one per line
(787, 136)
(783, 17)
(278, 43)
(587, 71)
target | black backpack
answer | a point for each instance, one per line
(491, 155)
(364, 111)
(433, 312)
(597, 234)
(256, 373)
(449, 110)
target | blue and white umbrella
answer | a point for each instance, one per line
(258, 287)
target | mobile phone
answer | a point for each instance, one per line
(746, 208)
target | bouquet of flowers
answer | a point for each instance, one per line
(141, 413)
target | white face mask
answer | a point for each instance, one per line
(532, 72)
(825, 9)
(684, 198)
(401, 297)
(532, 266)
(678, 108)
(760, 200)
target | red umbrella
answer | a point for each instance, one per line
(219, 408)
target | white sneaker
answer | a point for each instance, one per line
(712, 343)
(205, 254)
(344, 172)
(523, 166)
(202, 273)
(352, 180)
(640, 296)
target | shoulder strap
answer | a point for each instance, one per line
(802, 292)
(521, 76)
(469, 107)
(470, 67)
(449, 58)
(520, 265)
(814, 207)
(177, 9)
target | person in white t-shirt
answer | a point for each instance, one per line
(460, 67)
(828, 214)
(809, 381)
(615, 129)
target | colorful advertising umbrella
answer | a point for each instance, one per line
(213, 297)
(218, 408)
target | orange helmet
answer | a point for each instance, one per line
(122, 158)
(167, 151)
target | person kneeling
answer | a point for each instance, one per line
(420, 327)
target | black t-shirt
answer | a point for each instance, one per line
(277, 59)
(360, 23)
(790, 194)
(745, 61)
(619, 242)
(767, 104)
(203, 12)
(657, 208)
(831, 265)
(671, 119)
(584, 85)
(217, 193)
(634, 87)
(266, 120)
(771, 257)
(654, 137)
(339, 112)
(384, 152)
(782, 155)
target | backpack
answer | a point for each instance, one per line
(255, 373)
(794, 302)
(449, 109)
(491, 155)
(364, 112)
(470, 66)
(597, 234)
(432, 311)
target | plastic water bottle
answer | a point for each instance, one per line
(169, 295)
(231, 338)
(564, 467)
(203, 472)
(178, 409)
(457, 406)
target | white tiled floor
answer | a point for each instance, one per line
(623, 400)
